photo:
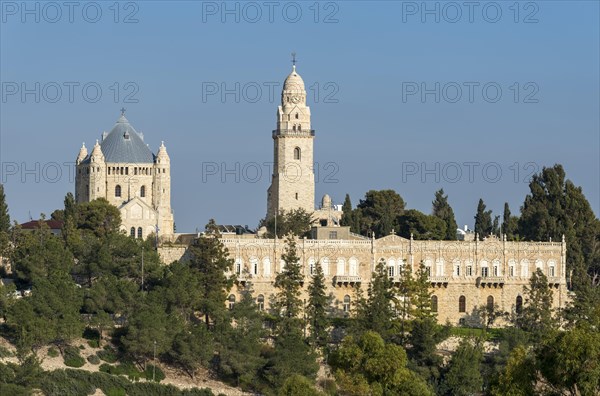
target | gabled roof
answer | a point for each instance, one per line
(35, 224)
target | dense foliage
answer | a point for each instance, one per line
(89, 281)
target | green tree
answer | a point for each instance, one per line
(4, 222)
(297, 385)
(239, 353)
(379, 212)
(509, 224)
(570, 361)
(421, 226)
(192, 347)
(50, 314)
(368, 365)
(556, 207)
(347, 218)
(518, 376)
(209, 257)
(483, 220)
(421, 295)
(316, 312)
(98, 216)
(296, 221)
(443, 211)
(463, 376)
(536, 316)
(379, 312)
(39, 252)
(149, 329)
(289, 282)
(291, 354)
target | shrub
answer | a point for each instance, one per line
(329, 386)
(4, 352)
(91, 334)
(116, 392)
(127, 369)
(81, 347)
(93, 359)
(94, 343)
(72, 357)
(53, 352)
(159, 375)
(108, 354)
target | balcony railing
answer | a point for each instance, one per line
(294, 133)
(346, 279)
(490, 280)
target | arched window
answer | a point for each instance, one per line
(462, 304)
(143, 191)
(353, 267)
(311, 266)
(140, 232)
(297, 153)
(341, 267)
(434, 304)
(254, 265)
(117, 190)
(490, 303)
(296, 115)
(519, 304)
(231, 300)
(260, 302)
(346, 303)
(132, 232)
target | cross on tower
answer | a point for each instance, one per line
(294, 58)
(123, 111)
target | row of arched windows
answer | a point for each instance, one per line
(124, 170)
(140, 233)
(462, 303)
(118, 191)
(342, 266)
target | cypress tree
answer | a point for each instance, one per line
(4, 217)
(209, 258)
(317, 308)
(483, 220)
(443, 210)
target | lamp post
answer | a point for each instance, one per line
(142, 270)
(154, 363)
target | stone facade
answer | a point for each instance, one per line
(293, 180)
(122, 169)
(464, 275)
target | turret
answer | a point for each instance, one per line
(97, 173)
(82, 154)
(162, 189)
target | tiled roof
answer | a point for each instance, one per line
(123, 144)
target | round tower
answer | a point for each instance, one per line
(97, 173)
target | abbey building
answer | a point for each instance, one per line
(122, 169)
(464, 275)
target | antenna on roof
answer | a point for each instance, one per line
(30, 218)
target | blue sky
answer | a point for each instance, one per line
(366, 65)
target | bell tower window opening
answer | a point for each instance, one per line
(143, 191)
(118, 191)
(297, 153)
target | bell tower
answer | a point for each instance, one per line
(293, 180)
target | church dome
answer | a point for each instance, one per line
(293, 82)
(123, 144)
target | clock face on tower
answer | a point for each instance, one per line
(295, 99)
